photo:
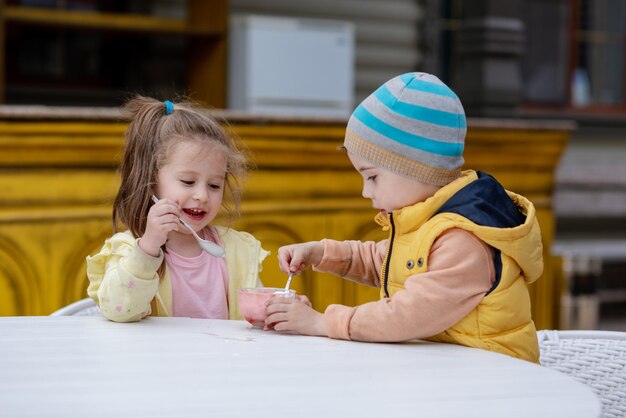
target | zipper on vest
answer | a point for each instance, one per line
(386, 265)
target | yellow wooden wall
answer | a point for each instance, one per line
(58, 180)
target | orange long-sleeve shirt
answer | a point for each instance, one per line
(460, 273)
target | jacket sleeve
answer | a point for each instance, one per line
(123, 279)
(244, 258)
(460, 273)
(354, 260)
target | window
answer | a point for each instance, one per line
(598, 50)
(574, 52)
(545, 64)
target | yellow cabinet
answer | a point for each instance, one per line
(58, 181)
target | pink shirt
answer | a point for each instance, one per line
(199, 285)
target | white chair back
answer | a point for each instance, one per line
(595, 358)
(83, 307)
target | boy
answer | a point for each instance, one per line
(461, 250)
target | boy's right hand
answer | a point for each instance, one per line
(163, 217)
(296, 257)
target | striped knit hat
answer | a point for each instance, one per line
(413, 125)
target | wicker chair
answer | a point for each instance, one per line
(83, 307)
(595, 358)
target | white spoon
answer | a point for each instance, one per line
(286, 290)
(208, 246)
(288, 282)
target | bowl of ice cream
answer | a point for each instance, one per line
(252, 302)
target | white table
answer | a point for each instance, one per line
(178, 367)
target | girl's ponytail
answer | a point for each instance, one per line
(139, 163)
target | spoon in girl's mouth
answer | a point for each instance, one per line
(208, 246)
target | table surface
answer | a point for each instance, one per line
(72, 366)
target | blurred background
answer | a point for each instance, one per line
(542, 81)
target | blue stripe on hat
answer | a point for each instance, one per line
(406, 138)
(416, 84)
(421, 113)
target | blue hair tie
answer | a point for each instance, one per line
(169, 107)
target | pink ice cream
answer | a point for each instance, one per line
(252, 303)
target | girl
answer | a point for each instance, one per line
(461, 249)
(178, 154)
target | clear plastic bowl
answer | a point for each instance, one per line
(252, 302)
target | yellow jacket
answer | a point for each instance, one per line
(121, 262)
(502, 320)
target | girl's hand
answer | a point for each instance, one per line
(296, 257)
(293, 314)
(162, 219)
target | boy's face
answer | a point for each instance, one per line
(389, 191)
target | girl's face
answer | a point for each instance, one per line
(387, 190)
(194, 176)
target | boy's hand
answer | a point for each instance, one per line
(162, 219)
(296, 257)
(295, 315)
(305, 300)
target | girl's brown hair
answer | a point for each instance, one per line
(150, 136)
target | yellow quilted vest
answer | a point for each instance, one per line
(502, 320)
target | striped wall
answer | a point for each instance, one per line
(386, 32)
